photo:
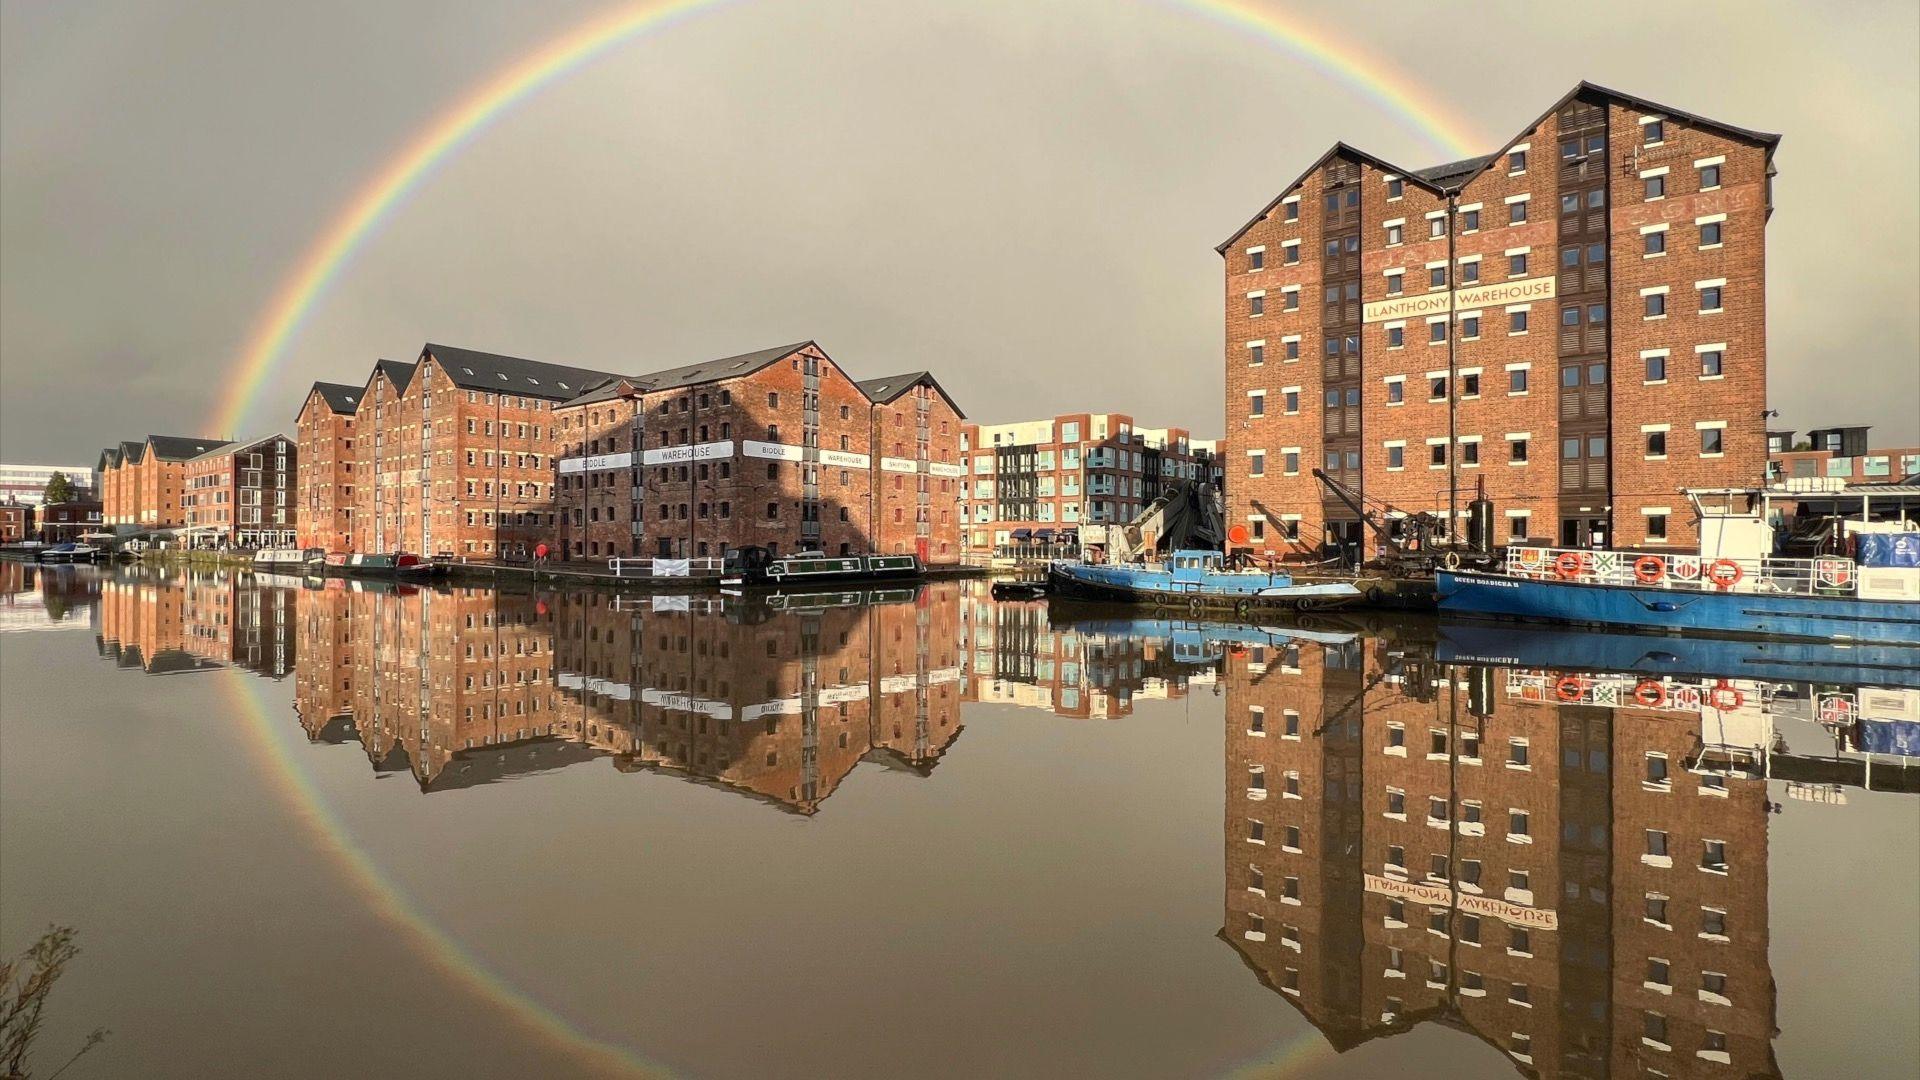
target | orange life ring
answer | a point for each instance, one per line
(1649, 569)
(1570, 688)
(1569, 565)
(1726, 697)
(1725, 574)
(1650, 694)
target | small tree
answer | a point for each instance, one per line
(25, 984)
(59, 489)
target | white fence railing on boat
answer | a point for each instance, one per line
(1825, 576)
(656, 567)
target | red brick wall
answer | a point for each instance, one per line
(1491, 416)
(324, 489)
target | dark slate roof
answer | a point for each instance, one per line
(182, 447)
(1446, 175)
(724, 368)
(109, 458)
(237, 447)
(607, 390)
(398, 374)
(883, 390)
(498, 374)
(1454, 175)
(133, 451)
(340, 397)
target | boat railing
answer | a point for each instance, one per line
(1824, 576)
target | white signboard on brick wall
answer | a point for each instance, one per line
(1517, 291)
(676, 455)
(942, 468)
(597, 463)
(899, 464)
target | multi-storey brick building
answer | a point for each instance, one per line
(66, 521)
(1547, 875)
(468, 686)
(1034, 482)
(142, 483)
(451, 453)
(778, 448)
(323, 437)
(16, 522)
(242, 494)
(1576, 322)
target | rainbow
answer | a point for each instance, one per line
(333, 250)
(274, 748)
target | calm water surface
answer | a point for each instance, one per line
(334, 831)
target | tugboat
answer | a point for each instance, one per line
(1734, 586)
(1171, 555)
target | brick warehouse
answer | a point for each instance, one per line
(323, 434)
(779, 448)
(486, 456)
(1577, 321)
(142, 483)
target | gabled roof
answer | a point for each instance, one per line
(339, 397)
(1443, 176)
(608, 390)
(181, 447)
(398, 373)
(1338, 149)
(237, 447)
(473, 370)
(729, 367)
(109, 458)
(1451, 177)
(133, 452)
(881, 391)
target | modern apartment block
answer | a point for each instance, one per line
(1038, 481)
(1576, 322)
(779, 448)
(142, 483)
(1830, 457)
(27, 484)
(1548, 876)
(323, 437)
(242, 494)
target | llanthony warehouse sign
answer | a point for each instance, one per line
(1518, 291)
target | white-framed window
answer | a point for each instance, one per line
(1290, 460)
(1290, 398)
(1653, 302)
(1257, 303)
(1712, 230)
(1396, 452)
(1256, 258)
(1256, 353)
(1256, 463)
(1517, 208)
(1654, 362)
(1653, 441)
(1290, 252)
(1708, 169)
(1653, 183)
(1653, 241)
(1256, 403)
(1712, 295)
(1713, 359)
(1713, 437)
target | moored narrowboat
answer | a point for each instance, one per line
(1197, 580)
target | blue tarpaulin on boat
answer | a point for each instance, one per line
(1900, 737)
(1887, 549)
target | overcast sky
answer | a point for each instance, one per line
(1020, 196)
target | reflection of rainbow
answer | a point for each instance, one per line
(271, 740)
(329, 254)
(322, 263)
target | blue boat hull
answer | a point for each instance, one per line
(1654, 655)
(1735, 613)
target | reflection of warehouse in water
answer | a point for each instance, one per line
(1410, 842)
(469, 686)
